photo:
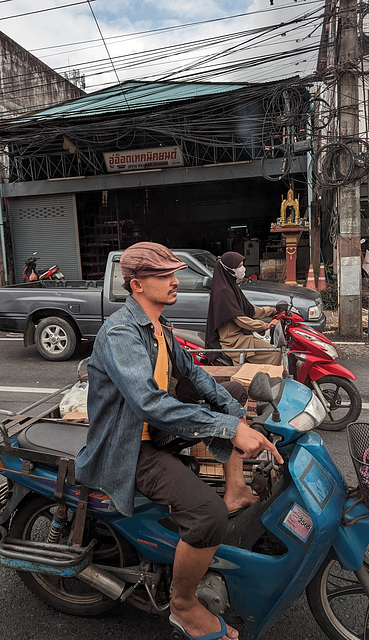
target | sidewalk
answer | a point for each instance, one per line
(332, 320)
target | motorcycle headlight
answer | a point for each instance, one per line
(330, 349)
(315, 312)
(311, 417)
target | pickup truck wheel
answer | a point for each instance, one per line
(55, 339)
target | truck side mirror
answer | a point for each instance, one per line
(207, 281)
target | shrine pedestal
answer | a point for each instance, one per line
(292, 232)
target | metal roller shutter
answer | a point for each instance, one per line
(48, 225)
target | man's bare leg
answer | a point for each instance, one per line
(237, 493)
(190, 565)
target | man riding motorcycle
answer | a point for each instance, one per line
(129, 373)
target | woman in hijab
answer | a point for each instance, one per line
(232, 318)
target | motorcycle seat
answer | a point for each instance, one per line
(60, 438)
(194, 337)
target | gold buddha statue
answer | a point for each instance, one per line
(290, 206)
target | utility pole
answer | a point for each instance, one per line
(348, 245)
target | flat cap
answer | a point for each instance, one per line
(148, 259)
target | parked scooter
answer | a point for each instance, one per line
(30, 273)
(78, 554)
(311, 360)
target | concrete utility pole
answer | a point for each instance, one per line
(348, 246)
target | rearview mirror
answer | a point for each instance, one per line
(260, 388)
(282, 305)
(207, 282)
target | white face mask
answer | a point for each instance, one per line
(240, 273)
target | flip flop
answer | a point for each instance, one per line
(210, 636)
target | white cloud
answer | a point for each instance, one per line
(190, 10)
(119, 18)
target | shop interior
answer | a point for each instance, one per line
(223, 216)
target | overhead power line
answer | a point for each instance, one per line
(150, 32)
(29, 13)
(251, 38)
(106, 48)
(203, 63)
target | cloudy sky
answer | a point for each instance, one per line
(193, 40)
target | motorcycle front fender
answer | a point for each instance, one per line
(353, 536)
(319, 370)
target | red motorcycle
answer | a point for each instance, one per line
(311, 361)
(30, 273)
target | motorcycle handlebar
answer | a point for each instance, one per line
(258, 427)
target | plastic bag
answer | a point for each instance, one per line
(265, 337)
(75, 399)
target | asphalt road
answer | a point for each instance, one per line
(25, 377)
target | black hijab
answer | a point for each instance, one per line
(226, 298)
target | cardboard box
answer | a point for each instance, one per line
(76, 415)
(222, 373)
(247, 371)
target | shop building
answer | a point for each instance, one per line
(186, 164)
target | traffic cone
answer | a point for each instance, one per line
(321, 280)
(310, 282)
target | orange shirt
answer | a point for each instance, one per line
(160, 375)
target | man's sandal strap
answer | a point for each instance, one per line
(209, 636)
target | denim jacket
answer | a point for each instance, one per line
(123, 395)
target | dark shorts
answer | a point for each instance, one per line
(199, 511)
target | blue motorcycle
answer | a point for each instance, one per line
(78, 554)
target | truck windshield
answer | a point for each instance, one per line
(206, 258)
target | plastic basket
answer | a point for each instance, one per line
(358, 442)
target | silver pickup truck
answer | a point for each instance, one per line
(56, 315)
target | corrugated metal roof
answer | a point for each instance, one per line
(131, 95)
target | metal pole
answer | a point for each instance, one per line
(2, 241)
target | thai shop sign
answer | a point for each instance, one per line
(133, 159)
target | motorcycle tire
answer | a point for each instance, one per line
(70, 595)
(337, 418)
(55, 339)
(338, 601)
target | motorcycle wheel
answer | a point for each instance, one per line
(70, 595)
(344, 400)
(55, 339)
(338, 601)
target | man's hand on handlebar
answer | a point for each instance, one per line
(252, 443)
(272, 323)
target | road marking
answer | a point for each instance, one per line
(27, 390)
(46, 391)
(362, 342)
(11, 339)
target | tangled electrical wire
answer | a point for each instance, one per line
(289, 111)
(341, 162)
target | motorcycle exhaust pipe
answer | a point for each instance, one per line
(102, 581)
